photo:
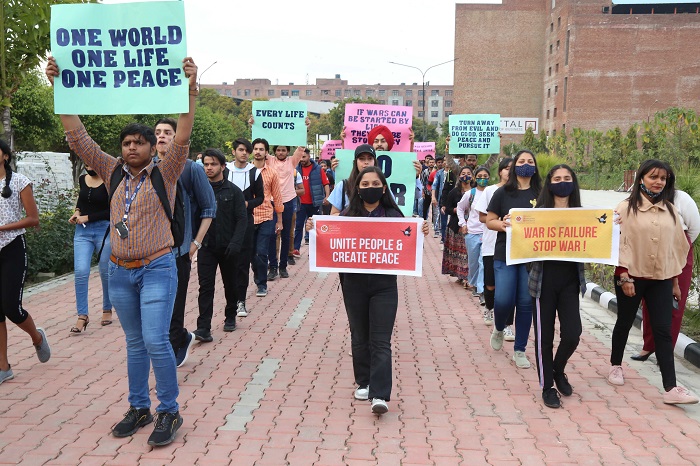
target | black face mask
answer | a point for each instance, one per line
(370, 195)
(91, 172)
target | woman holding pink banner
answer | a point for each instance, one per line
(555, 287)
(371, 300)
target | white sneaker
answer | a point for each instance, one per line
(241, 311)
(508, 334)
(521, 360)
(679, 396)
(362, 393)
(616, 376)
(379, 406)
(496, 339)
(488, 318)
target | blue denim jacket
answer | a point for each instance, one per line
(199, 202)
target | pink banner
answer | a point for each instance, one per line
(329, 147)
(361, 118)
(424, 148)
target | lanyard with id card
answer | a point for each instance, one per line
(122, 227)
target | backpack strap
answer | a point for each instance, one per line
(159, 186)
(345, 193)
(471, 198)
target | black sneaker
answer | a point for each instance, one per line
(229, 324)
(183, 353)
(284, 273)
(133, 419)
(203, 335)
(550, 397)
(291, 260)
(272, 274)
(167, 425)
(562, 383)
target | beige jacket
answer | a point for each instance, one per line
(651, 245)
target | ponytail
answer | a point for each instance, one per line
(6, 191)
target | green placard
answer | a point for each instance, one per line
(475, 134)
(280, 122)
(119, 58)
(397, 168)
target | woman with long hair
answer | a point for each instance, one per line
(555, 288)
(653, 251)
(454, 255)
(91, 218)
(371, 300)
(472, 229)
(520, 192)
(16, 198)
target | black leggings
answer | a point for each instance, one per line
(13, 271)
(559, 296)
(658, 295)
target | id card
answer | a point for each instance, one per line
(122, 229)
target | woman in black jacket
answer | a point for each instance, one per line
(454, 256)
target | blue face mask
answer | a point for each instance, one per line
(526, 171)
(465, 179)
(482, 182)
(648, 192)
(563, 189)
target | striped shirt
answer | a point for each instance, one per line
(271, 185)
(149, 227)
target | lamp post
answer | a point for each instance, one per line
(423, 73)
(202, 73)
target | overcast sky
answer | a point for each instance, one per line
(287, 41)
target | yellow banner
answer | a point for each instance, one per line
(577, 235)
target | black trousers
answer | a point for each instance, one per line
(371, 302)
(242, 263)
(178, 332)
(658, 295)
(207, 262)
(560, 295)
(427, 199)
(13, 271)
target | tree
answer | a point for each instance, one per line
(24, 43)
(35, 126)
(431, 133)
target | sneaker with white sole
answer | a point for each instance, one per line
(616, 376)
(488, 318)
(43, 351)
(379, 406)
(362, 393)
(496, 339)
(508, 334)
(8, 375)
(183, 353)
(521, 360)
(241, 310)
(679, 396)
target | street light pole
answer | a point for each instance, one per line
(423, 73)
(202, 73)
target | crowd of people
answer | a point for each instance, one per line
(149, 214)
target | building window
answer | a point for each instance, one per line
(421, 103)
(409, 103)
(556, 90)
(555, 112)
(246, 92)
(347, 92)
(409, 92)
(550, 71)
(447, 114)
(554, 132)
(550, 49)
(556, 68)
(369, 92)
(566, 47)
(382, 102)
(549, 92)
(420, 114)
(448, 103)
(295, 93)
(325, 92)
(338, 92)
(270, 92)
(420, 93)
(394, 102)
(563, 128)
(309, 92)
(357, 92)
(395, 93)
(435, 92)
(558, 42)
(238, 92)
(448, 93)
(285, 93)
(382, 92)
(551, 26)
(566, 85)
(257, 92)
(434, 103)
(227, 92)
(433, 114)
(558, 22)
(548, 114)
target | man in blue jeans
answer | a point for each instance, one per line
(142, 270)
(316, 192)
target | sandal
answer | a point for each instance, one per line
(85, 320)
(108, 320)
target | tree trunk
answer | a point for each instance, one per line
(491, 160)
(7, 127)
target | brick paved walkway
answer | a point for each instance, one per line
(279, 390)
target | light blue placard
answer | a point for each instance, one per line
(397, 168)
(119, 58)
(280, 122)
(475, 134)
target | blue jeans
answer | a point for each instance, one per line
(306, 211)
(476, 265)
(86, 242)
(284, 238)
(512, 291)
(261, 242)
(443, 225)
(143, 299)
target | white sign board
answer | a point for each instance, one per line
(519, 125)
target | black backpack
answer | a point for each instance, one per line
(176, 217)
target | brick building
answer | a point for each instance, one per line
(438, 105)
(591, 64)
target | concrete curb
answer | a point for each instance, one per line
(686, 347)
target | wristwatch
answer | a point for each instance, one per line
(197, 243)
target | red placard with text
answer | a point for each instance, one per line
(388, 246)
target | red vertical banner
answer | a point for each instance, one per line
(389, 246)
